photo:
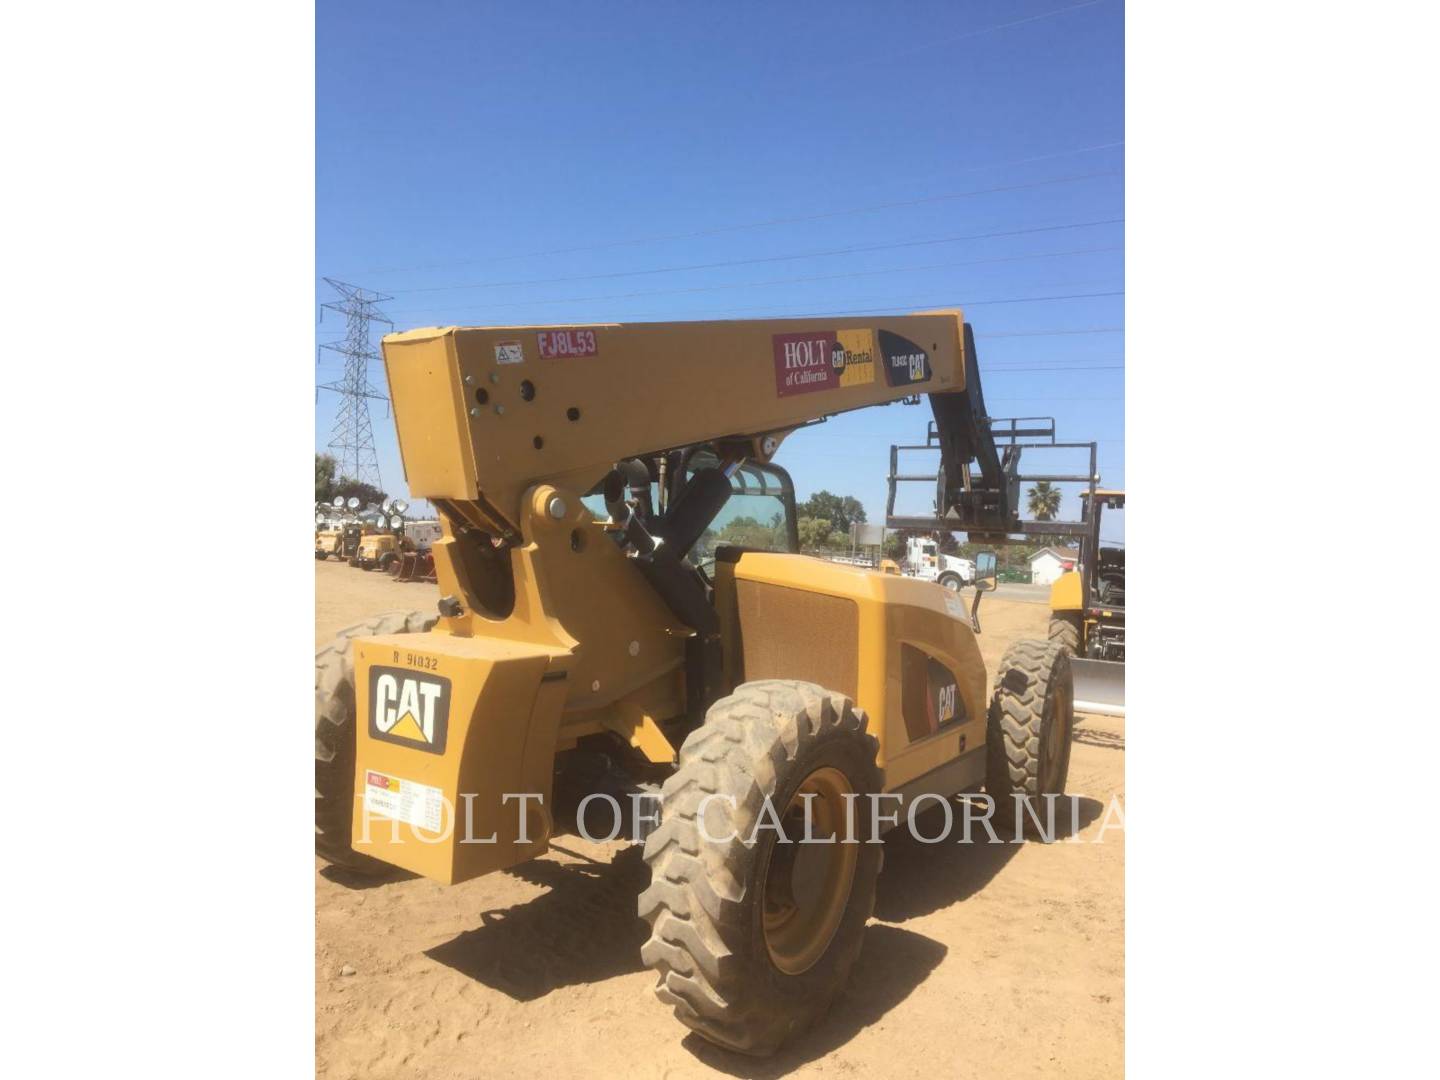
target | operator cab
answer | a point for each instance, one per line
(758, 514)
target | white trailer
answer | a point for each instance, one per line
(422, 533)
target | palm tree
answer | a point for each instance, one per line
(1043, 500)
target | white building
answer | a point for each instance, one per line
(1049, 563)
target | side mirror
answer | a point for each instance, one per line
(986, 578)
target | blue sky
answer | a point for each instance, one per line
(506, 146)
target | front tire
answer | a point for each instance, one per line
(335, 737)
(1029, 728)
(753, 941)
(953, 582)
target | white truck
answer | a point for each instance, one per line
(422, 533)
(923, 560)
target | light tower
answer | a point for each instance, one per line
(352, 441)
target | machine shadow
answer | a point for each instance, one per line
(349, 879)
(1105, 740)
(892, 963)
(583, 929)
(921, 878)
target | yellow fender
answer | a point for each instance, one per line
(1065, 593)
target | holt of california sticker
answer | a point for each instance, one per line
(823, 360)
(409, 709)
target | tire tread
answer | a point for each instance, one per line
(335, 735)
(696, 902)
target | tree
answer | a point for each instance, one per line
(1043, 501)
(327, 486)
(704, 547)
(898, 540)
(746, 531)
(325, 466)
(840, 510)
(814, 532)
(366, 493)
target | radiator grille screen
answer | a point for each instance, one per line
(794, 634)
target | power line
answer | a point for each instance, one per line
(884, 436)
(940, 42)
(769, 258)
(766, 311)
(988, 367)
(931, 305)
(1069, 367)
(1051, 333)
(1066, 363)
(980, 334)
(781, 281)
(771, 222)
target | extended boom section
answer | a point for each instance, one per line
(485, 413)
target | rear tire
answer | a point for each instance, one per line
(742, 958)
(335, 738)
(1065, 630)
(1029, 728)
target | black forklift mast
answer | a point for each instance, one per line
(977, 487)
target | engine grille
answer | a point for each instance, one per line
(793, 634)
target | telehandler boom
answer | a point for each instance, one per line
(627, 639)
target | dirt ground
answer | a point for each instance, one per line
(982, 960)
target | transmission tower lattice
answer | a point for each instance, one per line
(352, 440)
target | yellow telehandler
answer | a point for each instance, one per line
(607, 658)
(1087, 612)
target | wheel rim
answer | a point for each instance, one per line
(1057, 733)
(953, 584)
(807, 885)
